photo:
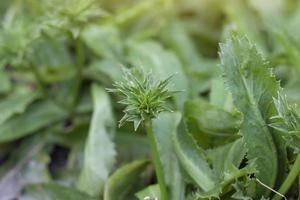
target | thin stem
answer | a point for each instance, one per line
(156, 160)
(294, 173)
(269, 188)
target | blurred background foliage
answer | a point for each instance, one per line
(58, 135)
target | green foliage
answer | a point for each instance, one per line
(99, 152)
(248, 78)
(120, 183)
(288, 122)
(52, 191)
(233, 132)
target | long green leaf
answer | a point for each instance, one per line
(248, 78)
(164, 127)
(36, 117)
(53, 191)
(193, 161)
(99, 153)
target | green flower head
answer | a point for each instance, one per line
(143, 96)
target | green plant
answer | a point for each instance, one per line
(145, 99)
(233, 134)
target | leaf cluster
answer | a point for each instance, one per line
(233, 132)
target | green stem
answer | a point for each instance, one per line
(156, 160)
(294, 173)
(39, 79)
(78, 78)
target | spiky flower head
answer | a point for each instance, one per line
(143, 95)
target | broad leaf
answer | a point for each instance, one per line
(99, 152)
(248, 78)
(210, 125)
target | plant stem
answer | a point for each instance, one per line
(156, 160)
(39, 79)
(78, 78)
(294, 173)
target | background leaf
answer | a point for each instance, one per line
(123, 180)
(36, 117)
(152, 57)
(54, 191)
(99, 152)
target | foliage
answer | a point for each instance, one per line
(233, 132)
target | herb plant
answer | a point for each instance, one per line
(144, 98)
(232, 134)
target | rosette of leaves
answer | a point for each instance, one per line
(143, 96)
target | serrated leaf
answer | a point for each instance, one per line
(248, 78)
(122, 180)
(99, 152)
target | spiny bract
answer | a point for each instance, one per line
(143, 96)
